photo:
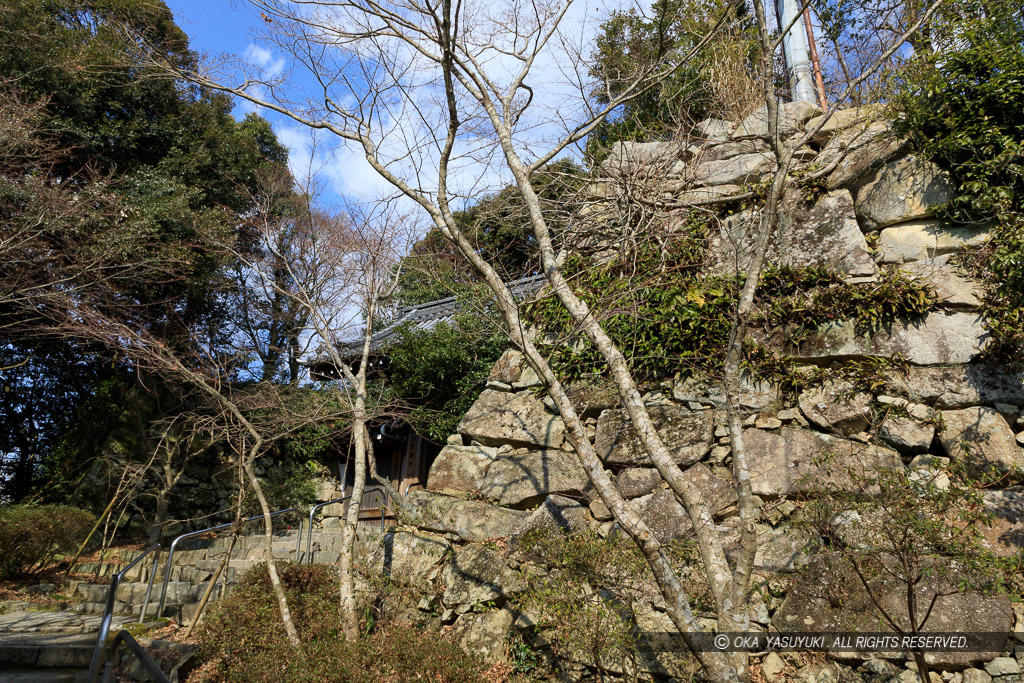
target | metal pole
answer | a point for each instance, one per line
(815, 62)
(149, 588)
(794, 43)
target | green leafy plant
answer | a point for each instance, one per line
(30, 535)
(961, 106)
(441, 372)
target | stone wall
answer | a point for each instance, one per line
(510, 468)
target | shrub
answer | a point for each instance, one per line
(244, 640)
(30, 535)
(961, 106)
(442, 371)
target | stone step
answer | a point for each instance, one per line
(132, 611)
(45, 651)
(34, 675)
(177, 591)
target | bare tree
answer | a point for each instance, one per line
(437, 99)
(342, 274)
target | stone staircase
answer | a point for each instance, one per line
(195, 561)
(54, 643)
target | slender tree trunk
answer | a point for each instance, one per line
(268, 530)
(347, 589)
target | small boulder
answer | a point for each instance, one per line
(951, 289)
(837, 407)
(634, 482)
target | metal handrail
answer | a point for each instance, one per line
(222, 527)
(143, 657)
(313, 510)
(108, 613)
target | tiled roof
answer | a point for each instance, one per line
(423, 317)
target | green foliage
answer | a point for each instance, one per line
(442, 371)
(961, 106)
(499, 227)
(243, 639)
(633, 42)
(656, 309)
(119, 182)
(668, 319)
(30, 535)
(813, 297)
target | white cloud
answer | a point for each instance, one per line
(271, 67)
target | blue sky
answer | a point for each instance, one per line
(229, 26)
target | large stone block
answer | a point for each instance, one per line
(631, 156)
(667, 518)
(755, 396)
(792, 117)
(519, 419)
(557, 514)
(1005, 537)
(737, 170)
(823, 235)
(959, 386)
(483, 634)
(476, 575)
(901, 191)
(686, 434)
(407, 556)
(715, 130)
(855, 152)
(981, 437)
(800, 460)
(524, 480)
(935, 339)
(458, 468)
(926, 239)
(728, 150)
(830, 598)
(841, 120)
(951, 289)
(470, 520)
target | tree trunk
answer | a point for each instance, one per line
(347, 587)
(268, 529)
